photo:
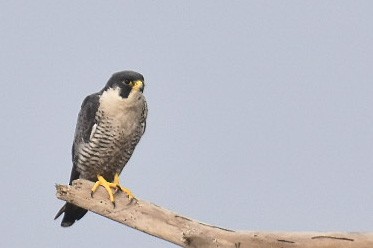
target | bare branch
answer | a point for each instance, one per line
(185, 232)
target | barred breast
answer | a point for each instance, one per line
(120, 123)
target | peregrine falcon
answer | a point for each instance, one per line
(110, 124)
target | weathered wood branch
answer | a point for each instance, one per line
(185, 232)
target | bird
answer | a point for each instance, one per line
(110, 124)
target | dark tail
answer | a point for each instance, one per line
(72, 213)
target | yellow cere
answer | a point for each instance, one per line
(137, 85)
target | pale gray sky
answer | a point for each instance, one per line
(260, 112)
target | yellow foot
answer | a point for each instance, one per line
(125, 190)
(109, 186)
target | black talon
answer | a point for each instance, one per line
(132, 200)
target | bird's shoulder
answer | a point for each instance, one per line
(87, 117)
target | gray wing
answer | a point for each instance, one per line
(86, 120)
(84, 125)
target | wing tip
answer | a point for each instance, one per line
(72, 213)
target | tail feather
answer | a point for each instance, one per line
(72, 213)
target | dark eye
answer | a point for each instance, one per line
(126, 81)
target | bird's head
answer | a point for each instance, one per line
(126, 81)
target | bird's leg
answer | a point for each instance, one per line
(127, 191)
(101, 181)
(109, 186)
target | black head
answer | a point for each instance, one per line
(126, 81)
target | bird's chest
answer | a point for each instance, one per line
(117, 116)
